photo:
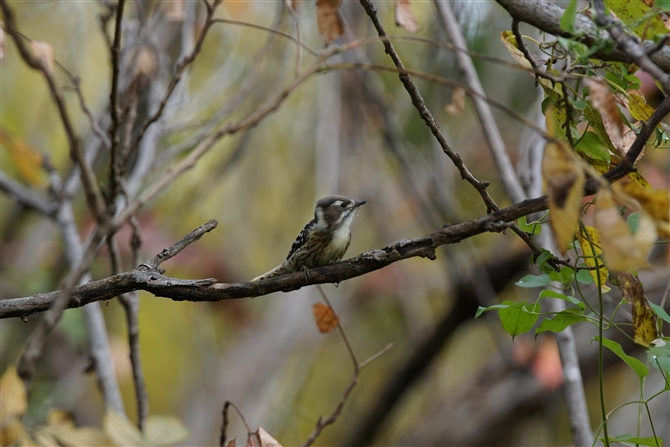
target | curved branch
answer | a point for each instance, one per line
(546, 17)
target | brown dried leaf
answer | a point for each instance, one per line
(622, 253)
(266, 439)
(603, 100)
(325, 317)
(644, 319)
(457, 102)
(565, 178)
(589, 240)
(404, 16)
(328, 20)
(44, 53)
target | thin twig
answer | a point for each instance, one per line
(115, 51)
(501, 159)
(93, 197)
(25, 196)
(224, 425)
(323, 423)
(630, 46)
(424, 113)
(179, 71)
(339, 327)
(38, 339)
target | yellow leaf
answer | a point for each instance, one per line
(404, 16)
(28, 161)
(638, 106)
(589, 240)
(644, 320)
(655, 202)
(328, 19)
(622, 253)
(164, 430)
(13, 401)
(509, 40)
(120, 430)
(565, 179)
(326, 320)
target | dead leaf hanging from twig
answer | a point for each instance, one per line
(405, 17)
(328, 19)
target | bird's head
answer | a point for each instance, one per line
(334, 211)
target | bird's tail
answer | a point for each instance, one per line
(279, 270)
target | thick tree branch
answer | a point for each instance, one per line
(547, 16)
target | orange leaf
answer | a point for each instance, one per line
(404, 16)
(325, 317)
(328, 19)
(564, 175)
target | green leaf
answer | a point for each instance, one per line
(481, 310)
(634, 363)
(568, 19)
(561, 320)
(530, 281)
(565, 276)
(633, 440)
(584, 277)
(519, 317)
(633, 222)
(658, 310)
(591, 146)
(533, 228)
(543, 261)
(547, 293)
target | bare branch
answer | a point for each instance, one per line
(35, 344)
(115, 51)
(424, 113)
(630, 46)
(88, 176)
(547, 17)
(501, 159)
(25, 196)
(323, 423)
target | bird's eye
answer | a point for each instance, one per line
(344, 205)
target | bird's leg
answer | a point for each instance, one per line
(305, 270)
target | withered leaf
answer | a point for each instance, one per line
(589, 241)
(644, 319)
(404, 16)
(622, 253)
(325, 318)
(328, 20)
(565, 179)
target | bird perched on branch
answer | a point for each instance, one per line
(324, 239)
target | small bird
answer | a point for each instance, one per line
(324, 239)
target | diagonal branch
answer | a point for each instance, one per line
(93, 196)
(424, 113)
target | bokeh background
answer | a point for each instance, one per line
(349, 132)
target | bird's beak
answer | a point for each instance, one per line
(357, 204)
